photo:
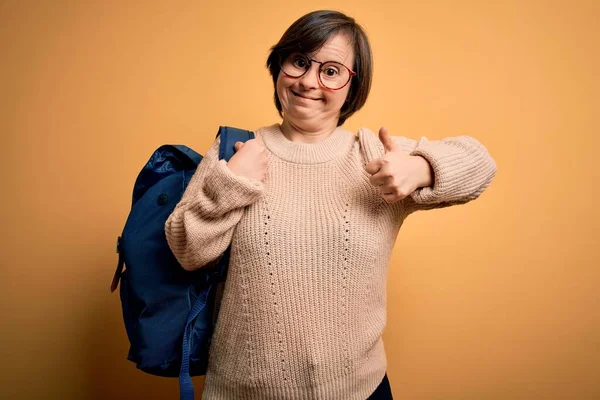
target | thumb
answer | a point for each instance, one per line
(388, 142)
(238, 145)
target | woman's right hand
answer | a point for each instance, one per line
(250, 159)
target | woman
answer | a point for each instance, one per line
(311, 213)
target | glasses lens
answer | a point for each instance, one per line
(334, 75)
(295, 65)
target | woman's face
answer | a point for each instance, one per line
(305, 103)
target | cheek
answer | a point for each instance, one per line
(338, 98)
(281, 87)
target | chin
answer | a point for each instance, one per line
(300, 112)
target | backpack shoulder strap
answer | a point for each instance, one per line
(194, 157)
(229, 136)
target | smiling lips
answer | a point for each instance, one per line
(304, 97)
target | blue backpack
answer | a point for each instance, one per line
(169, 313)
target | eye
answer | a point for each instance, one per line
(299, 61)
(330, 70)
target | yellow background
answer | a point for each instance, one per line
(497, 299)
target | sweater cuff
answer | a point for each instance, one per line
(229, 190)
(442, 164)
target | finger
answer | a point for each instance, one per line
(238, 145)
(385, 191)
(373, 166)
(388, 142)
(390, 198)
(391, 190)
(380, 179)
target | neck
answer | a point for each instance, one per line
(296, 133)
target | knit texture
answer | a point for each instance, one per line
(304, 304)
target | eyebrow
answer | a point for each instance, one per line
(319, 61)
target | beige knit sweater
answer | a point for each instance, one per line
(304, 305)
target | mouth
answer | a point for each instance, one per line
(303, 97)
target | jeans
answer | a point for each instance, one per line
(383, 391)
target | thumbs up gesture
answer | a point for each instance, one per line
(397, 174)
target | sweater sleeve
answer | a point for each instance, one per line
(201, 226)
(462, 169)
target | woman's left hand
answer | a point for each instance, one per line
(398, 174)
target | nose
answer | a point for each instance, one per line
(310, 79)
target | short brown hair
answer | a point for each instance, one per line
(308, 34)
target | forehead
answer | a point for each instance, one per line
(337, 48)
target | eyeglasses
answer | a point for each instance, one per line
(332, 75)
